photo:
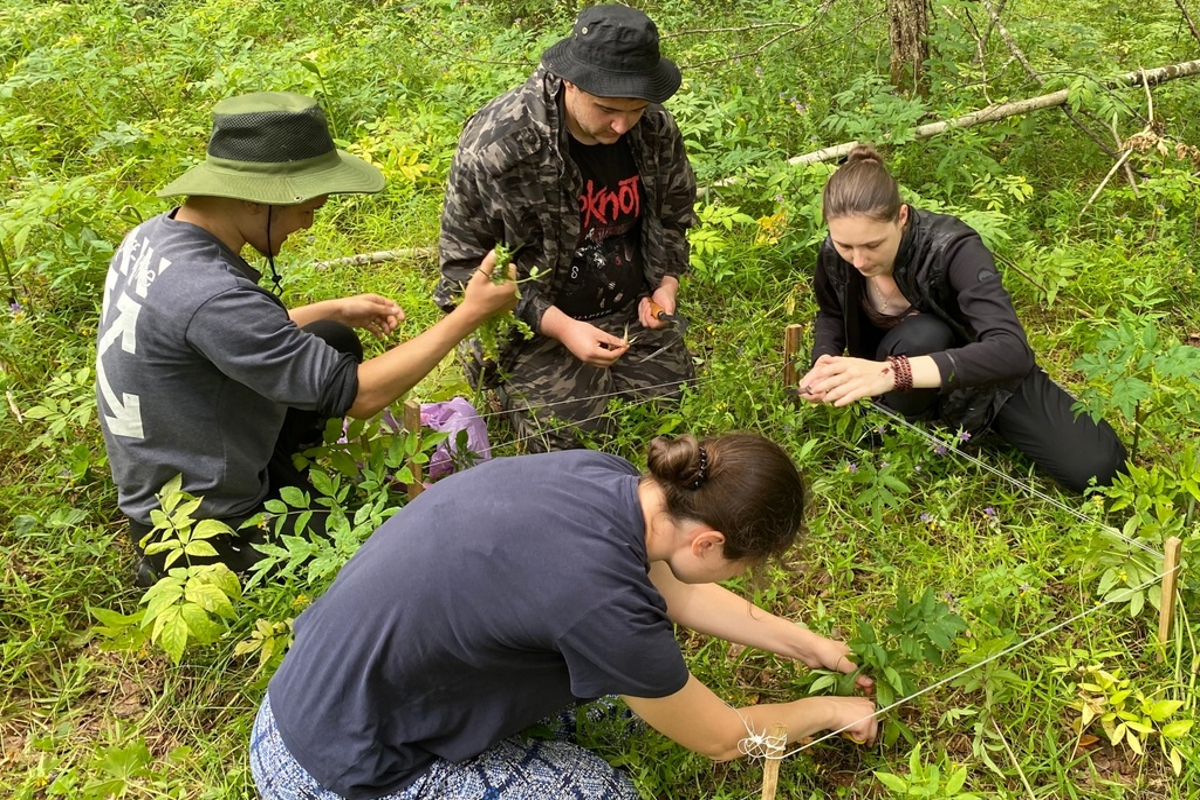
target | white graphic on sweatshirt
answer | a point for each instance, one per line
(124, 416)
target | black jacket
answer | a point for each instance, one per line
(944, 269)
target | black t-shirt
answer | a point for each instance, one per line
(500, 595)
(606, 273)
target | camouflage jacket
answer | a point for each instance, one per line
(512, 182)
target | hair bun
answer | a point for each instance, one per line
(864, 152)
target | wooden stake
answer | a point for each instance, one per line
(1166, 606)
(412, 424)
(772, 760)
(791, 349)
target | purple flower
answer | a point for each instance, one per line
(965, 436)
(989, 512)
(926, 516)
(941, 450)
(852, 468)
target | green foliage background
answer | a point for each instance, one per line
(102, 103)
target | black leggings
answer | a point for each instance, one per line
(301, 430)
(1037, 419)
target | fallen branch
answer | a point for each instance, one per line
(1145, 78)
(1151, 77)
(1019, 54)
(380, 257)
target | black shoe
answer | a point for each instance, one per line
(146, 575)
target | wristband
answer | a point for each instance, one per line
(903, 373)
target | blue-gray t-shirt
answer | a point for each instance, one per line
(497, 597)
(196, 367)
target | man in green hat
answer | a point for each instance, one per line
(202, 372)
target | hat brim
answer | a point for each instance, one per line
(278, 184)
(656, 86)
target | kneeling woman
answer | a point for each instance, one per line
(519, 587)
(915, 300)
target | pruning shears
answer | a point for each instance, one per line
(674, 322)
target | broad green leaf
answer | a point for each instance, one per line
(172, 634)
(956, 781)
(201, 627)
(1163, 709)
(1137, 602)
(208, 597)
(1176, 729)
(186, 509)
(293, 497)
(200, 549)
(208, 528)
(893, 782)
(160, 595)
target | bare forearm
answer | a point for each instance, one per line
(715, 611)
(925, 373)
(554, 323)
(384, 378)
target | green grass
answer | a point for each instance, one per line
(102, 103)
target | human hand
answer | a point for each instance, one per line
(841, 380)
(664, 298)
(824, 653)
(855, 718)
(485, 297)
(370, 312)
(592, 346)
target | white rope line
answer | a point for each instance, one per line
(1099, 604)
(692, 383)
(567, 425)
(1054, 501)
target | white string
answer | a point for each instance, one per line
(1099, 604)
(760, 745)
(1054, 501)
(690, 383)
(569, 424)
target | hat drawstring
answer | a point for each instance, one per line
(271, 256)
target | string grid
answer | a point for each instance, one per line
(762, 745)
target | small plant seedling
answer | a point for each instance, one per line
(1127, 715)
(500, 328)
(916, 633)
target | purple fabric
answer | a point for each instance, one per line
(453, 416)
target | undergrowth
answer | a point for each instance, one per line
(102, 103)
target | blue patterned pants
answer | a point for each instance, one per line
(512, 769)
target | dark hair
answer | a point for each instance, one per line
(862, 187)
(741, 484)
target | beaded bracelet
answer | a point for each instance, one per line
(903, 371)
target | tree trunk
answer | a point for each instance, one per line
(908, 26)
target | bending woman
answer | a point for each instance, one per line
(522, 586)
(915, 300)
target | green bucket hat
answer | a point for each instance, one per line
(273, 148)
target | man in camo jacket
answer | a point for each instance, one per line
(583, 170)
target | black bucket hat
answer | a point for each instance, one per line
(613, 52)
(274, 148)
